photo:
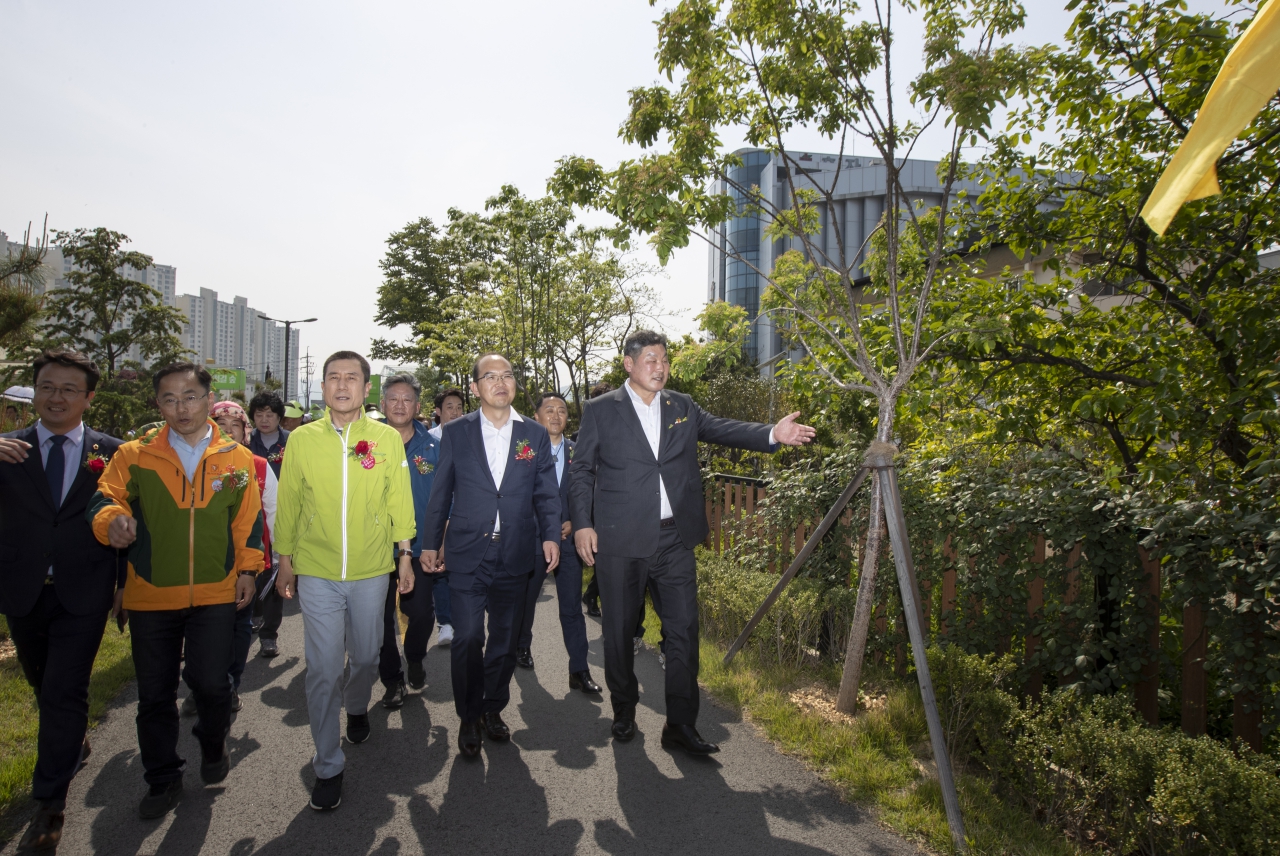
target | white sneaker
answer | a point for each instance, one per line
(445, 637)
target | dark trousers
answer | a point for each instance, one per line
(440, 599)
(244, 641)
(482, 668)
(56, 651)
(670, 574)
(573, 625)
(269, 608)
(418, 607)
(200, 640)
(593, 593)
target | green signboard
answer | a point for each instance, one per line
(375, 390)
(228, 378)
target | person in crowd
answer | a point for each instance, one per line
(638, 512)
(449, 405)
(234, 423)
(345, 499)
(268, 441)
(591, 597)
(496, 489)
(552, 412)
(195, 550)
(57, 583)
(402, 402)
(293, 418)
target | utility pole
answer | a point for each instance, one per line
(310, 369)
(288, 325)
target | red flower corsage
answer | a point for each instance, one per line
(363, 452)
(523, 451)
(276, 457)
(95, 463)
(421, 463)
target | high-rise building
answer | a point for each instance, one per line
(225, 335)
(741, 251)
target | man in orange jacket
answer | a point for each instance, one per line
(195, 549)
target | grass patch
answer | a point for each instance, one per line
(878, 760)
(20, 721)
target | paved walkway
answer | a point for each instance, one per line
(560, 786)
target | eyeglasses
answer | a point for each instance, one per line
(170, 402)
(493, 377)
(48, 390)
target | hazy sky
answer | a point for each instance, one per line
(268, 149)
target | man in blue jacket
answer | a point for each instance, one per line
(552, 413)
(496, 488)
(401, 402)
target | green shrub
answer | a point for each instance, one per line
(809, 620)
(1092, 768)
(975, 702)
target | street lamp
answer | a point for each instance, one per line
(287, 326)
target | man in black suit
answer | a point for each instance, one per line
(638, 511)
(552, 413)
(495, 487)
(57, 583)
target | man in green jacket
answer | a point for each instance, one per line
(345, 497)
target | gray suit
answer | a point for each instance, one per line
(614, 489)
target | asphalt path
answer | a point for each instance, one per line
(560, 786)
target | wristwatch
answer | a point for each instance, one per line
(400, 554)
(248, 573)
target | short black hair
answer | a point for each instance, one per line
(641, 339)
(346, 355)
(267, 399)
(201, 373)
(549, 394)
(72, 360)
(475, 367)
(405, 378)
(455, 392)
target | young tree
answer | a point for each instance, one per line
(22, 280)
(104, 313)
(770, 67)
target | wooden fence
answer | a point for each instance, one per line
(732, 506)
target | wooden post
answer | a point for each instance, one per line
(897, 526)
(1246, 725)
(1194, 648)
(711, 523)
(726, 516)
(1147, 691)
(948, 605)
(1035, 603)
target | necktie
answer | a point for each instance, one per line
(54, 468)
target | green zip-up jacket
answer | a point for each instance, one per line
(344, 501)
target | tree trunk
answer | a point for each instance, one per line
(856, 652)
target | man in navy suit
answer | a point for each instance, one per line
(495, 487)
(57, 583)
(552, 413)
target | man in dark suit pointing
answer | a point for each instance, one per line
(636, 496)
(57, 583)
(495, 487)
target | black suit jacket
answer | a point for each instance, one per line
(34, 534)
(463, 495)
(614, 484)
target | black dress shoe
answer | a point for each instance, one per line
(160, 800)
(592, 605)
(417, 676)
(469, 738)
(686, 737)
(357, 727)
(582, 681)
(393, 698)
(215, 765)
(326, 795)
(495, 727)
(43, 834)
(623, 729)
(524, 658)
(85, 751)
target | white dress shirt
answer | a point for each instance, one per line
(497, 447)
(651, 421)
